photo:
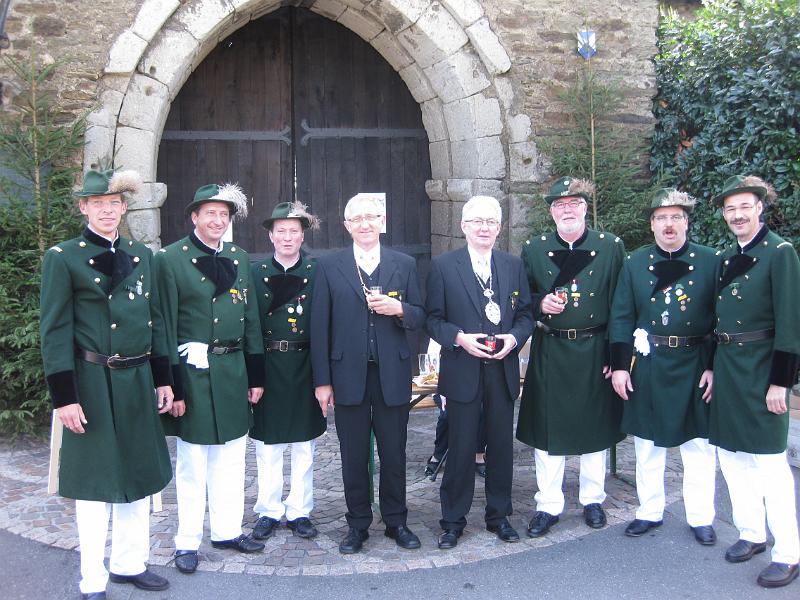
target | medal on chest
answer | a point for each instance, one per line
(682, 297)
(292, 323)
(492, 309)
(735, 289)
(574, 294)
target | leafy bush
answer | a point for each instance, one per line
(727, 103)
(36, 211)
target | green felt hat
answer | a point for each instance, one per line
(230, 193)
(108, 182)
(736, 185)
(292, 210)
(667, 197)
(566, 187)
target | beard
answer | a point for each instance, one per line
(569, 227)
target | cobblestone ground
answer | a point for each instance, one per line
(26, 509)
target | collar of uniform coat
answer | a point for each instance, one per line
(677, 254)
(577, 242)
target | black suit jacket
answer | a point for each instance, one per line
(452, 305)
(339, 321)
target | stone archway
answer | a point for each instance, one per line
(445, 51)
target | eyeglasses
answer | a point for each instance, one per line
(365, 218)
(563, 205)
(666, 218)
(478, 223)
(104, 203)
(731, 210)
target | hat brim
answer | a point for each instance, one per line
(759, 191)
(195, 204)
(84, 194)
(551, 199)
(267, 224)
(648, 212)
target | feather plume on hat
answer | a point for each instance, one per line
(681, 199)
(752, 181)
(581, 186)
(231, 192)
(298, 210)
(122, 182)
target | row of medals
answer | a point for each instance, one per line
(681, 297)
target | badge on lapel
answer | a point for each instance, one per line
(514, 300)
(397, 295)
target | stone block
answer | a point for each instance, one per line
(106, 114)
(332, 9)
(386, 44)
(440, 244)
(455, 219)
(459, 76)
(356, 4)
(48, 26)
(146, 104)
(488, 47)
(362, 24)
(490, 159)
(434, 188)
(125, 53)
(518, 206)
(459, 190)
(136, 149)
(397, 15)
(519, 128)
(488, 187)
(204, 18)
(466, 12)
(435, 36)
(151, 195)
(486, 113)
(440, 159)
(152, 15)
(98, 145)
(417, 83)
(433, 120)
(258, 8)
(460, 119)
(144, 225)
(169, 59)
(441, 218)
(465, 159)
(526, 162)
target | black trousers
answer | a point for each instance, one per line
(390, 423)
(442, 427)
(458, 483)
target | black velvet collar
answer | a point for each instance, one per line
(754, 242)
(115, 263)
(201, 245)
(99, 240)
(280, 268)
(672, 255)
(219, 269)
(577, 242)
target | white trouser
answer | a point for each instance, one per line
(220, 469)
(130, 540)
(762, 485)
(300, 501)
(550, 477)
(699, 472)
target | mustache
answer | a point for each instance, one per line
(740, 221)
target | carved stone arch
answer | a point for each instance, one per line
(444, 50)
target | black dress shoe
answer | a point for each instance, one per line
(594, 516)
(94, 596)
(186, 561)
(265, 527)
(353, 541)
(431, 466)
(448, 539)
(638, 527)
(743, 551)
(243, 543)
(146, 580)
(504, 531)
(705, 535)
(777, 575)
(480, 470)
(303, 527)
(403, 536)
(541, 523)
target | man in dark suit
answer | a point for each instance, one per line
(365, 298)
(473, 293)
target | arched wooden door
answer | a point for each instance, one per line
(294, 105)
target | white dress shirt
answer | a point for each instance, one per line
(481, 263)
(367, 260)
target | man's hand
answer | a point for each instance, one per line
(509, 343)
(165, 397)
(254, 394)
(552, 305)
(469, 342)
(621, 382)
(324, 395)
(72, 417)
(776, 399)
(384, 305)
(178, 408)
(707, 381)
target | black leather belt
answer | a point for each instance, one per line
(747, 336)
(284, 346)
(571, 334)
(215, 349)
(112, 362)
(677, 341)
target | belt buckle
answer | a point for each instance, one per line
(672, 341)
(283, 346)
(218, 350)
(725, 338)
(113, 361)
(572, 334)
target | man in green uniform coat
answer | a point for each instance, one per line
(567, 405)
(104, 351)
(758, 336)
(664, 308)
(288, 412)
(214, 341)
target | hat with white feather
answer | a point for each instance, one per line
(109, 182)
(229, 193)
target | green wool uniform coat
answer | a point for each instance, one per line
(122, 456)
(288, 411)
(568, 407)
(759, 289)
(666, 294)
(195, 310)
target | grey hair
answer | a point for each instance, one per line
(371, 201)
(478, 202)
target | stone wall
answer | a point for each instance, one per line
(486, 74)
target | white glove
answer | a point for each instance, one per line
(640, 342)
(196, 354)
